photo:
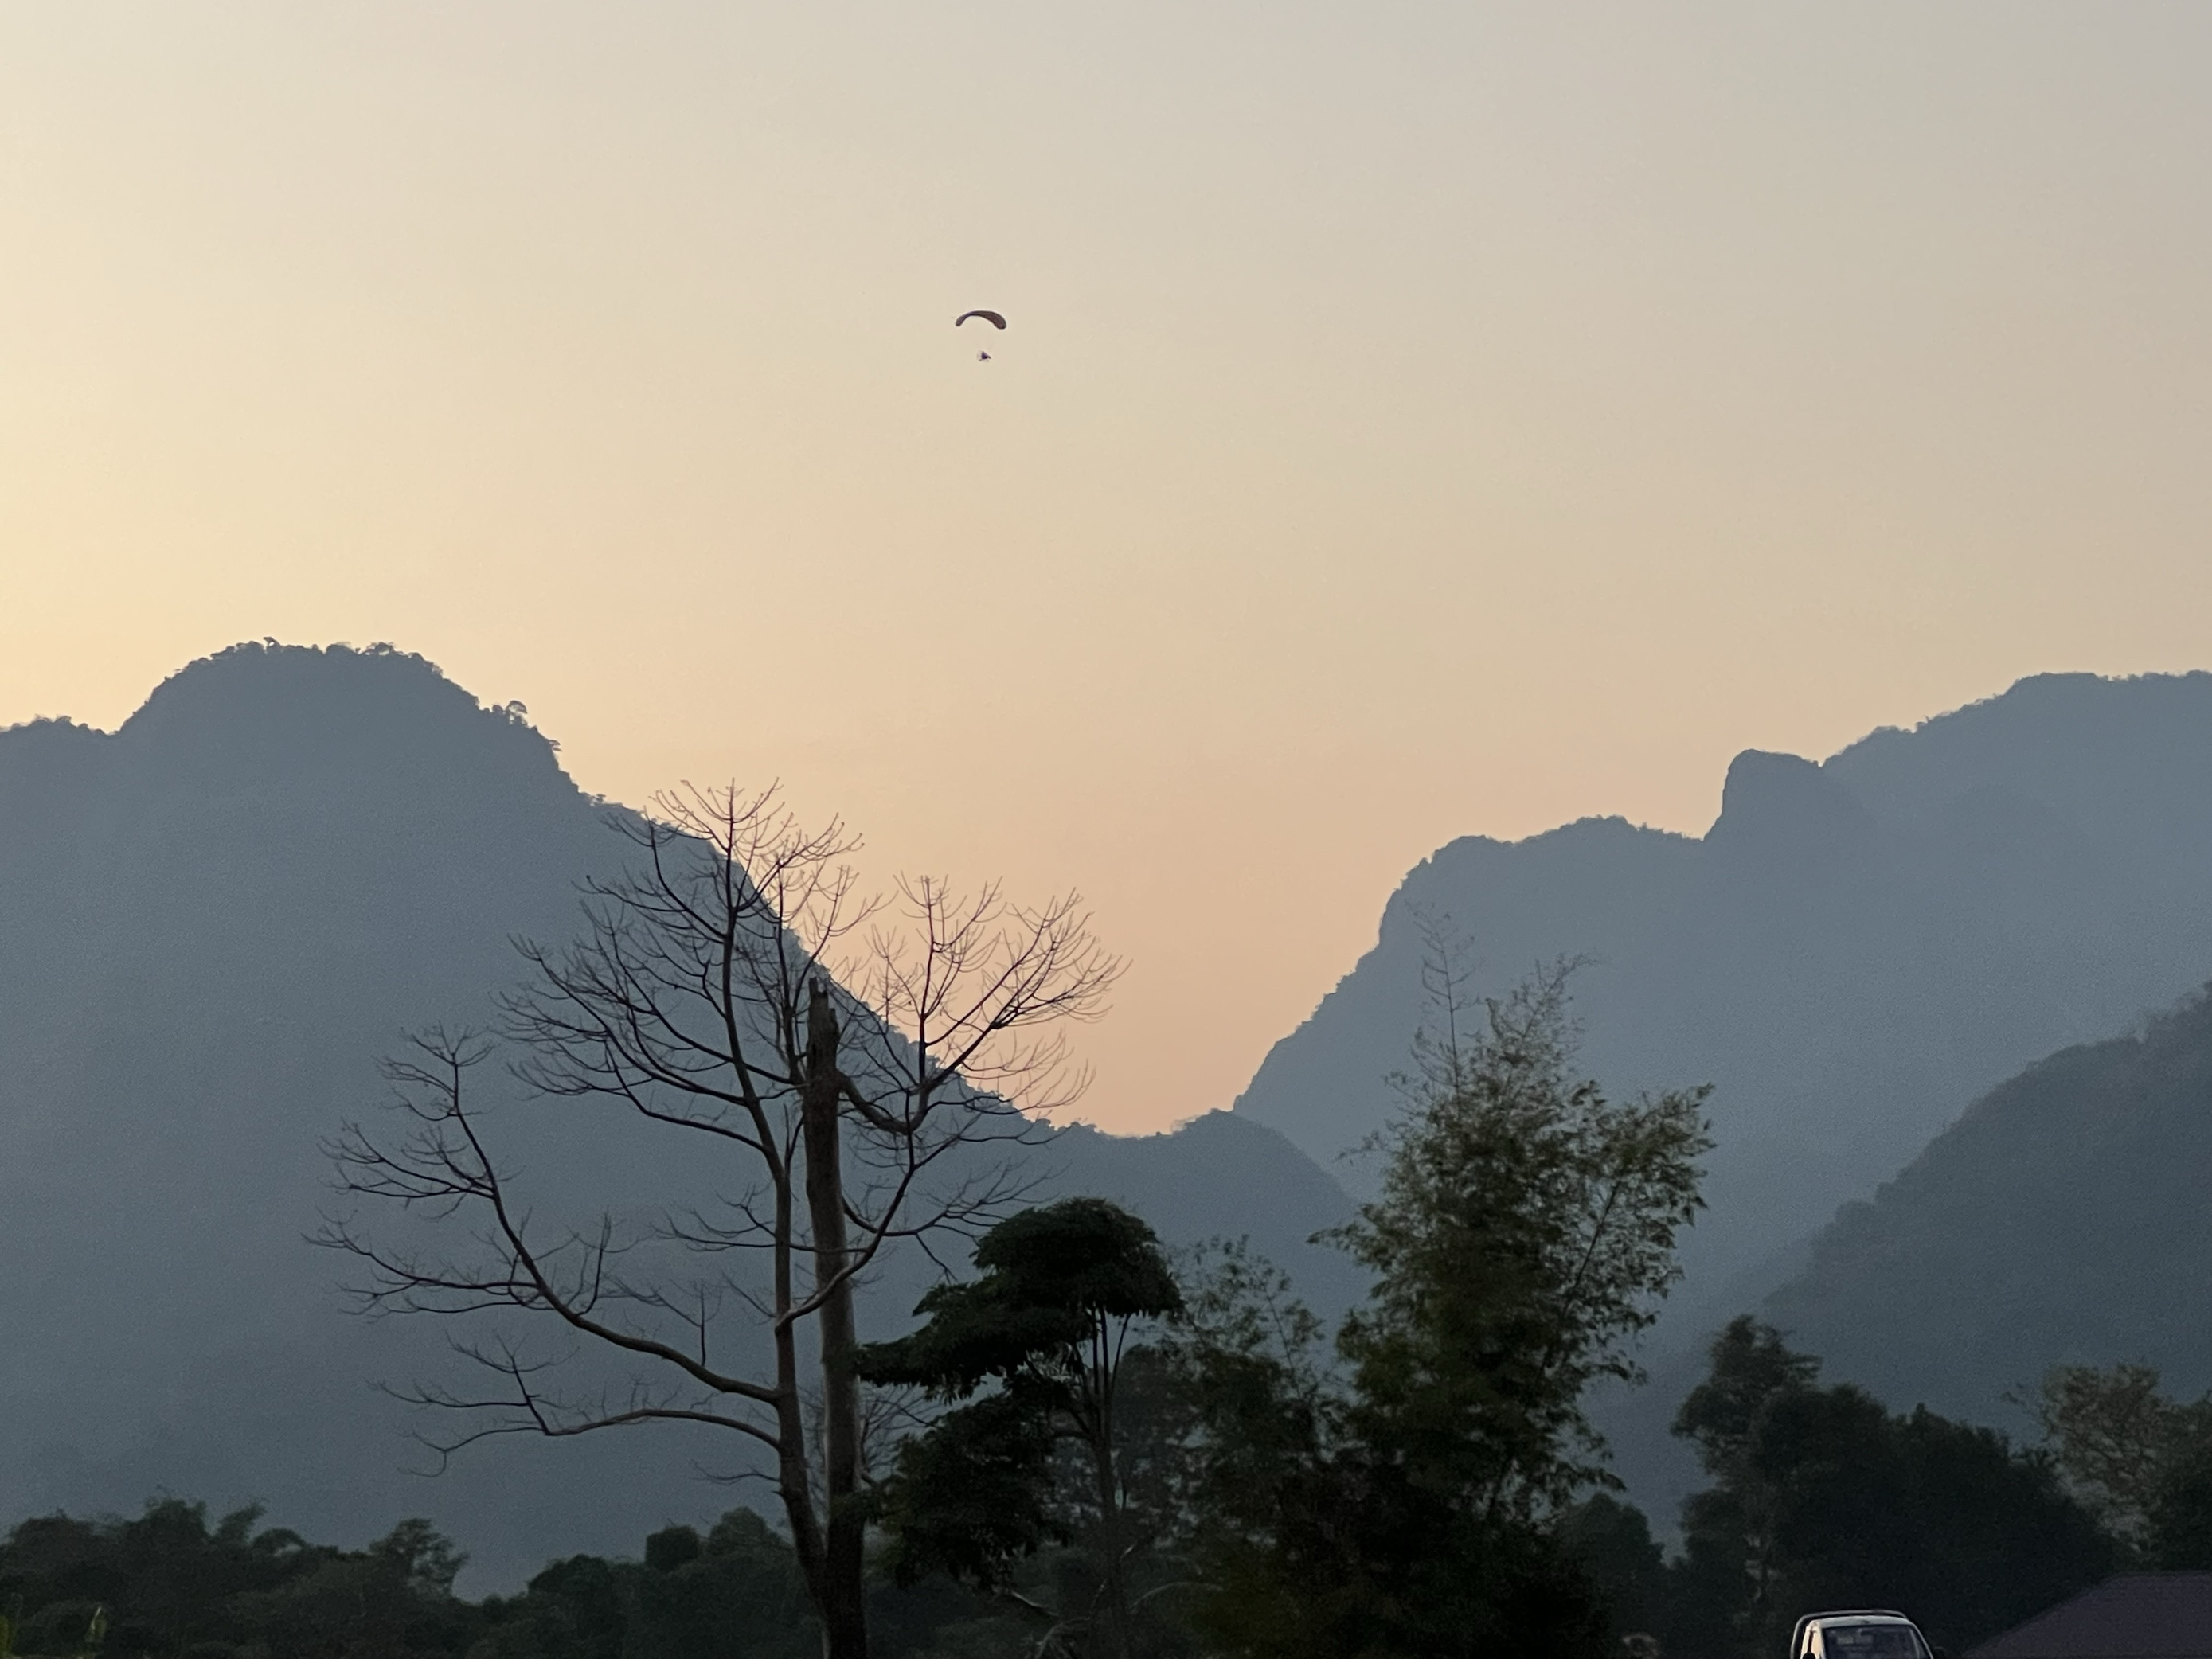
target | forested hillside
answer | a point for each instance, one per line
(2062, 1220)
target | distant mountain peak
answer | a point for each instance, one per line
(243, 677)
(1784, 804)
(1855, 950)
(264, 707)
(213, 923)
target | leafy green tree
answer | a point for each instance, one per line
(2179, 1536)
(1822, 1497)
(163, 1580)
(2141, 1462)
(1729, 1541)
(577, 1608)
(92, 1631)
(1253, 1361)
(167, 1582)
(1412, 1500)
(1612, 1542)
(735, 1594)
(1046, 1328)
(1525, 1233)
(1312, 1542)
(392, 1601)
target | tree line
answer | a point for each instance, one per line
(995, 1538)
(1082, 1449)
(1102, 1455)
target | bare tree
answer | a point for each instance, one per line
(844, 1058)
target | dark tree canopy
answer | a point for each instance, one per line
(2140, 1462)
(1411, 1501)
(1822, 1497)
(1045, 1328)
(1525, 1231)
(1050, 1276)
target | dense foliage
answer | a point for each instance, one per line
(1111, 1455)
(2060, 1216)
(1247, 1457)
(170, 1584)
(1821, 1497)
(167, 1582)
(2140, 1462)
(1525, 1230)
(1047, 1326)
(1408, 1500)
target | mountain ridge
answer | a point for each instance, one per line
(2050, 1224)
(1854, 950)
(214, 921)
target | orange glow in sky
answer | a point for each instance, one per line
(1415, 420)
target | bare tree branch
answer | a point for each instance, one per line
(853, 1063)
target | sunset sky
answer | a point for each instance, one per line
(1417, 419)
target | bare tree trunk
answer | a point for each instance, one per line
(794, 1484)
(699, 999)
(1113, 1548)
(1114, 1593)
(844, 1613)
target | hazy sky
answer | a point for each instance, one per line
(1417, 419)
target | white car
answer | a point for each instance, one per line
(1860, 1634)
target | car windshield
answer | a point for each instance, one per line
(1870, 1642)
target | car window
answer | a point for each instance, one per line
(1870, 1642)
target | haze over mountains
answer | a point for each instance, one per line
(2062, 1220)
(1853, 952)
(214, 921)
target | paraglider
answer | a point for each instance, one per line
(990, 317)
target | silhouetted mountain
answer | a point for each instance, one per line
(215, 920)
(213, 923)
(1853, 951)
(2062, 1220)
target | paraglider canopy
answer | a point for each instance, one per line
(990, 317)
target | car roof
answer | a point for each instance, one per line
(1846, 1616)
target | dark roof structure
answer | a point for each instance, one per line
(2138, 1615)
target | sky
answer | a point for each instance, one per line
(1416, 420)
